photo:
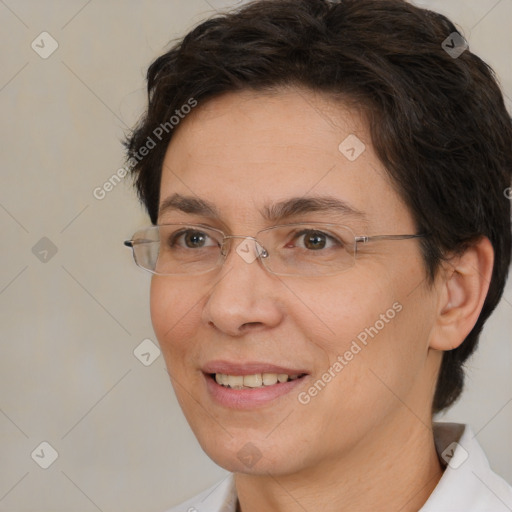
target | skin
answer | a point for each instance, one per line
(338, 452)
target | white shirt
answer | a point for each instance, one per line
(468, 483)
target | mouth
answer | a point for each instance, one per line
(250, 385)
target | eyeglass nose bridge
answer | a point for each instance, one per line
(263, 253)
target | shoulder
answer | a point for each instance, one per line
(219, 498)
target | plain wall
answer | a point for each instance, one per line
(70, 323)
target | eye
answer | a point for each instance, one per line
(191, 239)
(315, 240)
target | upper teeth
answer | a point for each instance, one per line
(252, 381)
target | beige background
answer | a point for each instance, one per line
(70, 325)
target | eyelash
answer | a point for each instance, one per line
(321, 233)
(180, 234)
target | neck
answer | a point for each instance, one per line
(393, 468)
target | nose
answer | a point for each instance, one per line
(246, 296)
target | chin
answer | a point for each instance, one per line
(253, 455)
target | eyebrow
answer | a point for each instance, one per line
(188, 205)
(272, 212)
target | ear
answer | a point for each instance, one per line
(463, 284)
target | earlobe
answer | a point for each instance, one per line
(463, 285)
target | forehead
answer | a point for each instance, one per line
(243, 151)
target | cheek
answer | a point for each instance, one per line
(370, 336)
(174, 315)
(384, 358)
(337, 311)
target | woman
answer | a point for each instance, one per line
(326, 185)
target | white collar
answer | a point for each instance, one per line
(468, 484)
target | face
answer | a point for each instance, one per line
(358, 340)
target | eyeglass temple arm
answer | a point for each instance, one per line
(365, 239)
(131, 243)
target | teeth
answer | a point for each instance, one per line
(269, 379)
(235, 381)
(252, 381)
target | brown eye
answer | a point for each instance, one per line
(191, 239)
(315, 240)
(195, 239)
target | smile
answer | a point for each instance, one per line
(250, 385)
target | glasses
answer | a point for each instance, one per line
(305, 249)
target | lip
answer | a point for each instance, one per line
(245, 399)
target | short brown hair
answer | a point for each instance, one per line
(438, 123)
